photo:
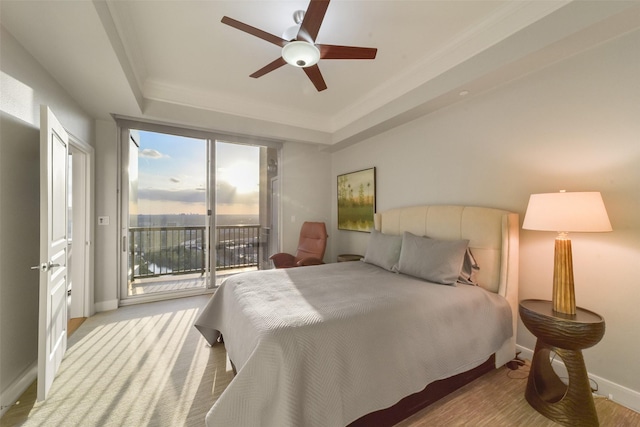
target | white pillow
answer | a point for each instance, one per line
(438, 261)
(383, 250)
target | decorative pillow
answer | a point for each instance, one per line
(438, 261)
(470, 268)
(383, 250)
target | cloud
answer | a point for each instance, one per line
(174, 179)
(184, 196)
(150, 153)
(225, 195)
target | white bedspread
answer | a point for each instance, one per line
(325, 345)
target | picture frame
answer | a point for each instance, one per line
(357, 200)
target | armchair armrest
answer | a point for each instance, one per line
(283, 260)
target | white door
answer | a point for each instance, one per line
(52, 326)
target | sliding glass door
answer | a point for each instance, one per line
(168, 225)
(195, 208)
(237, 207)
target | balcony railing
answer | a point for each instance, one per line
(156, 251)
(237, 246)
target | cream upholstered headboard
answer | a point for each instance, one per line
(493, 236)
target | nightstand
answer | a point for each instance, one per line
(566, 335)
(349, 257)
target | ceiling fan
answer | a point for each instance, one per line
(299, 47)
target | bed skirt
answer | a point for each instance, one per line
(418, 401)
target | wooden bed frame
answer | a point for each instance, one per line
(494, 239)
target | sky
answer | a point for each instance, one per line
(237, 179)
(172, 176)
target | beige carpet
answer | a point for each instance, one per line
(497, 400)
(143, 365)
(146, 365)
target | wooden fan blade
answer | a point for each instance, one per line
(312, 20)
(269, 68)
(329, 51)
(254, 31)
(315, 76)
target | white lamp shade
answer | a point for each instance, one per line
(301, 54)
(567, 212)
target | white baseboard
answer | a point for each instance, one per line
(106, 305)
(11, 395)
(615, 392)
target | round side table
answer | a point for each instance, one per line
(566, 335)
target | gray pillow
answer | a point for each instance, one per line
(470, 268)
(438, 261)
(383, 250)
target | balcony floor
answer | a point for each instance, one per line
(178, 282)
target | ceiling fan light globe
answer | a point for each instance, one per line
(301, 54)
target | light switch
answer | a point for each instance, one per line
(103, 220)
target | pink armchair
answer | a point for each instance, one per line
(311, 247)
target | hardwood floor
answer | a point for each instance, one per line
(74, 324)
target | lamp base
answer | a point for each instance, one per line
(564, 297)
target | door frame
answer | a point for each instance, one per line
(88, 208)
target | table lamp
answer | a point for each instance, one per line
(565, 212)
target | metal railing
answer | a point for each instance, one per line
(237, 246)
(157, 251)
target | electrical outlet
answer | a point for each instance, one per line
(103, 220)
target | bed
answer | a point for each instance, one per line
(359, 343)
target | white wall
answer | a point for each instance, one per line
(573, 126)
(306, 193)
(106, 267)
(24, 85)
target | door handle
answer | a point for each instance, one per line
(44, 267)
(41, 267)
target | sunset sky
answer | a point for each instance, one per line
(172, 176)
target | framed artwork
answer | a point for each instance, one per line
(357, 200)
